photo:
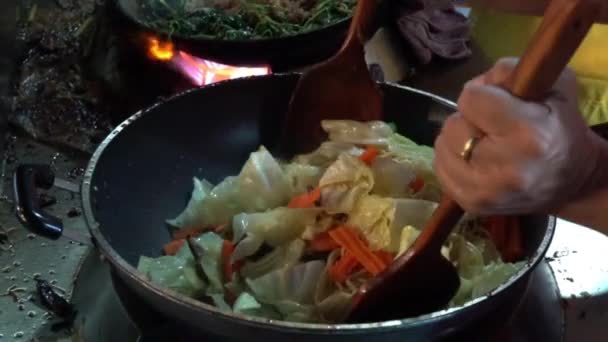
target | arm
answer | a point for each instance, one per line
(590, 211)
(591, 208)
(524, 7)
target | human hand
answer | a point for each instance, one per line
(531, 157)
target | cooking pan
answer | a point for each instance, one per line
(281, 53)
(142, 172)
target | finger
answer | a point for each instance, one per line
(505, 67)
(501, 71)
(457, 178)
(489, 108)
(565, 84)
(457, 131)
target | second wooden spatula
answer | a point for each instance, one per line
(422, 280)
(339, 88)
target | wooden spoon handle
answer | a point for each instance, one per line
(564, 26)
(362, 25)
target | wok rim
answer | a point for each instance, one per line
(127, 269)
(206, 38)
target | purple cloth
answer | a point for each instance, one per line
(433, 28)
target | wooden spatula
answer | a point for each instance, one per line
(339, 88)
(422, 280)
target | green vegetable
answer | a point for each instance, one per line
(260, 185)
(177, 272)
(378, 201)
(192, 217)
(251, 19)
(281, 257)
(343, 183)
(211, 244)
(373, 217)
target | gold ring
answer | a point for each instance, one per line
(469, 146)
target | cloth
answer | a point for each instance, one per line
(433, 28)
(499, 34)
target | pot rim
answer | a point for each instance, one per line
(130, 271)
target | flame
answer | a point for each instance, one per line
(199, 71)
(202, 72)
(162, 51)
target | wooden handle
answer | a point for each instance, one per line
(564, 26)
(362, 25)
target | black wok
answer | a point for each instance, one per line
(281, 53)
(141, 175)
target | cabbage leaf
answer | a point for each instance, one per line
(177, 272)
(275, 227)
(356, 132)
(192, 216)
(373, 217)
(281, 257)
(343, 183)
(261, 185)
(327, 153)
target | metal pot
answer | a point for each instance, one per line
(141, 173)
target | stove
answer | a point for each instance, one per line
(566, 300)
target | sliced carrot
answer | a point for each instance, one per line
(369, 155)
(228, 267)
(417, 184)
(227, 250)
(349, 239)
(174, 246)
(194, 232)
(306, 200)
(344, 267)
(505, 232)
(229, 297)
(386, 257)
(496, 227)
(514, 249)
(323, 243)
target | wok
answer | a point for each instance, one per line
(281, 53)
(142, 172)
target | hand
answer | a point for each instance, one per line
(532, 157)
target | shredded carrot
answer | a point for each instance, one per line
(344, 267)
(505, 232)
(496, 227)
(174, 246)
(323, 243)
(194, 232)
(305, 200)
(514, 249)
(229, 297)
(351, 242)
(417, 184)
(386, 257)
(369, 155)
(228, 267)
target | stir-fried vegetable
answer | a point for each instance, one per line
(242, 19)
(296, 240)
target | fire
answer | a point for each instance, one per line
(199, 71)
(163, 51)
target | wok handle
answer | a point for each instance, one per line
(564, 26)
(27, 178)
